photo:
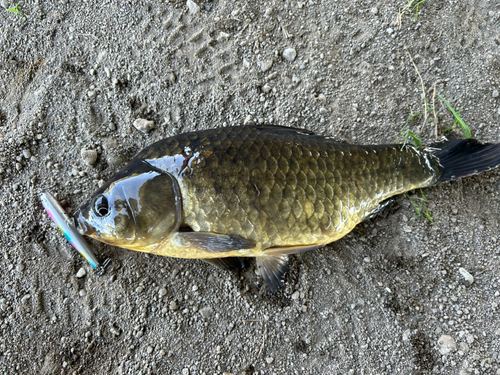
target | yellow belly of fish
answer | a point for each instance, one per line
(170, 248)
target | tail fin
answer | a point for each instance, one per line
(466, 157)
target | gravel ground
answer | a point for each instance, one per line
(396, 296)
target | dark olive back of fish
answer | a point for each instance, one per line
(282, 186)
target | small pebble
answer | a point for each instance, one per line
(466, 275)
(249, 120)
(185, 371)
(266, 88)
(149, 349)
(27, 154)
(89, 156)
(81, 273)
(82, 293)
(144, 125)
(20, 267)
(206, 312)
(162, 292)
(193, 7)
(173, 305)
(374, 11)
(469, 339)
(265, 65)
(6, 4)
(290, 54)
(296, 295)
(139, 334)
(19, 166)
(495, 94)
(194, 288)
(446, 344)
(114, 331)
(269, 360)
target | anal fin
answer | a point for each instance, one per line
(294, 249)
(230, 263)
(274, 264)
(383, 206)
(272, 268)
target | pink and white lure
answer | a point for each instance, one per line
(64, 223)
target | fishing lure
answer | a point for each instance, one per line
(63, 222)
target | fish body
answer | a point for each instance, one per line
(260, 191)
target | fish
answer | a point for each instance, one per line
(262, 191)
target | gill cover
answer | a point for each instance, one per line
(136, 210)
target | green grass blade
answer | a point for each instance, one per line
(463, 125)
(15, 10)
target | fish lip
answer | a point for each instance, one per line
(78, 226)
(81, 224)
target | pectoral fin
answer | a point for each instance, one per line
(212, 242)
(231, 263)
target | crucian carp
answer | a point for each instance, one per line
(261, 191)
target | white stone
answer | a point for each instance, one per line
(206, 312)
(446, 344)
(193, 7)
(81, 273)
(144, 125)
(249, 120)
(89, 156)
(466, 275)
(290, 54)
(265, 65)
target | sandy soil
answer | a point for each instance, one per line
(387, 299)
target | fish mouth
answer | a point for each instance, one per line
(82, 225)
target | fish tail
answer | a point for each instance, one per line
(465, 157)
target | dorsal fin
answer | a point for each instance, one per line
(278, 128)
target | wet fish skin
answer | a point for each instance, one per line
(280, 190)
(283, 187)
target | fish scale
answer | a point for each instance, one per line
(284, 188)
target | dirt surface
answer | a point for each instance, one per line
(387, 299)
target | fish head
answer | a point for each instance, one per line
(136, 210)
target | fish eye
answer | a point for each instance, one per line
(101, 207)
